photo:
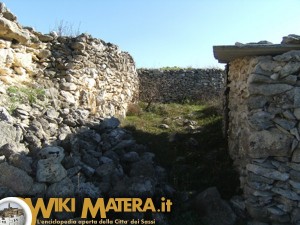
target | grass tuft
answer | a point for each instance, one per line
(24, 95)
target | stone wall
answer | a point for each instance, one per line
(54, 142)
(180, 85)
(264, 104)
(80, 72)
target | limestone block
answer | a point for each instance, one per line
(5, 71)
(293, 55)
(62, 189)
(286, 193)
(291, 39)
(68, 97)
(48, 170)
(43, 53)
(10, 30)
(52, 152)
(20, 70)
(23, 60)
(257, 78)
(9, 134)
(296, 156)
(296, 94)
(289, 69)
(285, 124)
(15, 179)
(269, 143)
(5, 44)
(268, 173)
(6, 57)
(261, 120)
(269, 89)
(297, 113)
(66, 86)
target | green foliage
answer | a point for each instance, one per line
(24, 95)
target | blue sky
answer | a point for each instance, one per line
(161, 33)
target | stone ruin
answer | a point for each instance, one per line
(263, 114)
(76, 72)
(179, 85)
(66, 141)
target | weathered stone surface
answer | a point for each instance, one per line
(134, 187)
(294, 184)
(22, 162)
(15, 179)
(295, 175)
(293, 55)
(297, 97)
(131, 157)
(291, 39)
(43, 53)
(49, 170)
(6, 13)
(257, 102)
(269, 143)
(257, 78)
(38, 189)
(295, 215)
(269, 89)
(11, 31)
(286, 193)
(297, 113)
(264, 92)
(190, 84)
(261, 120)
(252, 177)
(88, 189)
(62, 189)
(213, 209)
(142, 168)
(296, 156)
(285, 124)
(294, 166)
(67, 86)
(106, 169)
(5, 116)
(290, 69)
(55, 153)
(109, 123)
(9, 134)
(12, 149)
(268, 173)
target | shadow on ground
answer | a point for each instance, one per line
(196, 160)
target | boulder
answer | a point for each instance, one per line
(213, 209)
(11, 31)
(15, 179)
(61, 189)
(9, 134)
(269, 143)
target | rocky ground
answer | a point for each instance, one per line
(54, 153)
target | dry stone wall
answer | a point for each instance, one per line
(264, 134)
(80, 72)
(54, 141)
(179, 85)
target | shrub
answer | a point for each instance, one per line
(134, 110)
(24, 95)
